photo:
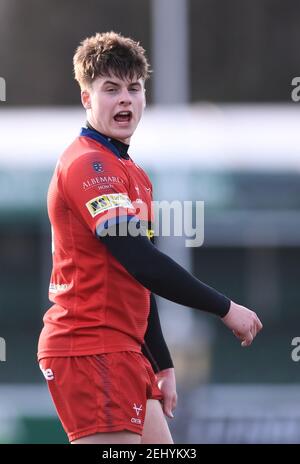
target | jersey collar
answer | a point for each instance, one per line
(117, 147)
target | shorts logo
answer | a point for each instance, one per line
(134, 420)
(98, 167)
(105, 202)
(48, 373)
(137, 409)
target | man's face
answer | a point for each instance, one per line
(115, 106)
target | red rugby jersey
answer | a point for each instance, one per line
(98, 307)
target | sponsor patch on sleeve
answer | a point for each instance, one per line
(105, 202)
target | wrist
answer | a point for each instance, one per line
(169, 371)
(229, 310)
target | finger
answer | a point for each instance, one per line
(248, 340)
(169, 414)
(167, 407)
(259, 324)
(238, 335)
(174, 402)
(253, 331)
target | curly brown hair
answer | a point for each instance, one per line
(109, 54)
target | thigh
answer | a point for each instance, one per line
(156, 429)
(120, 438)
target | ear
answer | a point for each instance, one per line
(145, 101)
(86, 99)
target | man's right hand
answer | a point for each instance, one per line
(243, 322)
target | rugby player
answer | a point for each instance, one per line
(102, 351)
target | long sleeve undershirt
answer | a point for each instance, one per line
(155, 347)
(163, 276)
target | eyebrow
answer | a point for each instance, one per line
(116, 84)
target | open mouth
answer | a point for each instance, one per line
(123, 116)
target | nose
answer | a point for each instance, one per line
(125, 98)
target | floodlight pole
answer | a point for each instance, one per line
(170, 51)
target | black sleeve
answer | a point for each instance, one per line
(163, 276)
(155, 347)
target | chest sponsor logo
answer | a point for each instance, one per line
(105, 202)
(99, 180)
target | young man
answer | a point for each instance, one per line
(102, 342)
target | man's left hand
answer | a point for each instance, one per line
(167, 385)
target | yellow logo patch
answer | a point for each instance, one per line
(104, 202)
(150, 233)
